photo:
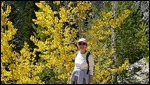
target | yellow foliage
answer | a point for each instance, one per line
(6, 35)
(56, 2)
(60, 45)
(81, 8)
(20, 65)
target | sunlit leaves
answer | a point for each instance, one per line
(56, 2)
(64, 14)
(7, 33)
(81, 9)
(56, 49)
(17, 68)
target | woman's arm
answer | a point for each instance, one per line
(91, 67)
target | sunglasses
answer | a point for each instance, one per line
(81, 43)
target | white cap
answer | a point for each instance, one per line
(82, 40)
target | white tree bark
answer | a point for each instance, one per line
(113, 42)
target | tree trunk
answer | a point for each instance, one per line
(113, 43)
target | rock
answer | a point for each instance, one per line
(137, 73)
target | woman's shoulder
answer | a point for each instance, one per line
(90, 54)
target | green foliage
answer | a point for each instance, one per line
(38, 33)
(147, 59)
(49, 76)
(132, 42)
(21, 16)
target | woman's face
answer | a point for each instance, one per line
(82, 46)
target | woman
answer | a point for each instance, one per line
(79, 74)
